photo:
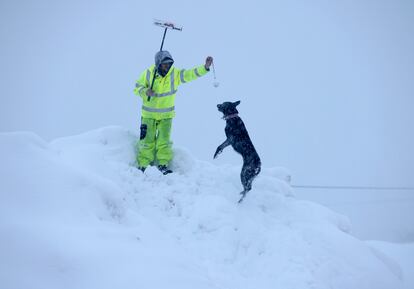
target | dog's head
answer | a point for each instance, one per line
(228, 108)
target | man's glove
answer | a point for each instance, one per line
(149, 92)
(209, 61)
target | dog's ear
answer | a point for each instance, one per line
(236, 103)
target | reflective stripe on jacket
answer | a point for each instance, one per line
(161, 105)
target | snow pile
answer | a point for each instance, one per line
(403, 254)
(75, 213)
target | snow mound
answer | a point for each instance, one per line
(76, 213)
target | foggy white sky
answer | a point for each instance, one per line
(326, 87)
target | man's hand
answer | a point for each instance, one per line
(209, 61)
(149, 92)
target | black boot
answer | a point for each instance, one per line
(142, 169)
(164, 169)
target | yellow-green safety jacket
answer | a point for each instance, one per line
(161, 105)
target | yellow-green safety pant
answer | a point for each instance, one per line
(154, 144)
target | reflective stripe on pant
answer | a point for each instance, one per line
(155, 144)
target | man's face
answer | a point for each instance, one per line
(165, 67)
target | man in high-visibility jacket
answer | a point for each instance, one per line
(154, 146)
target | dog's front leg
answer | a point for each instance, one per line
(221, 147)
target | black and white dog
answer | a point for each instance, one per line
(239, 139)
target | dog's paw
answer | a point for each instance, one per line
(218, 151)
(243, 194)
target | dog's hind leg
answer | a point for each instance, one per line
(247, 176)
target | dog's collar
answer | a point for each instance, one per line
(230, 116)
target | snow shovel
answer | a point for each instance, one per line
(166, 25)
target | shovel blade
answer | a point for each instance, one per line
(167, 24)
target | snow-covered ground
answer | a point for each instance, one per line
(76, 213)
(403, 254)
(385, 215)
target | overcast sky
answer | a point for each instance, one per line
(326, 87)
